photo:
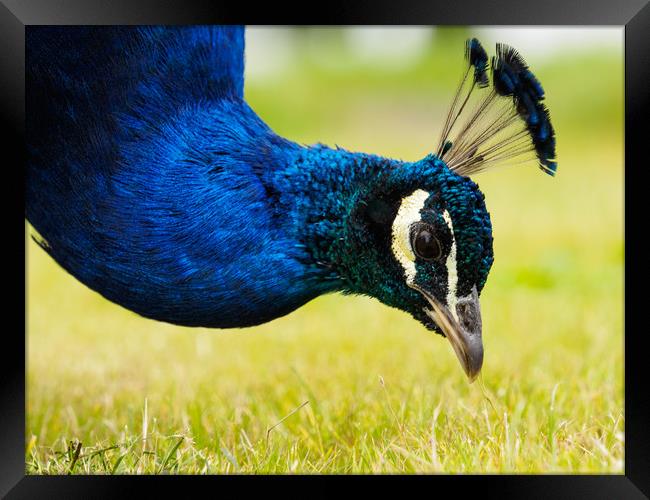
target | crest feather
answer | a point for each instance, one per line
(508, 123)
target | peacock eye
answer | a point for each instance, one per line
(424, 243)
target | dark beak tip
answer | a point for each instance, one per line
(471, 333)
(464, 333)
(474, 365)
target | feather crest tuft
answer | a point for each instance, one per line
(478, 58)
(498, 129)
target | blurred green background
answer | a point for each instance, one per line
(346, 384)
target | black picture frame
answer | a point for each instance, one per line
(634, 15)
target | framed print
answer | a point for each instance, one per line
(326, 250)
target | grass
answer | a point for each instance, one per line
(346, 384)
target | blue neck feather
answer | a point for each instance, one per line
(169, 241)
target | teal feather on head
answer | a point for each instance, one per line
(495, 132)
(477, 57)
(512, 77)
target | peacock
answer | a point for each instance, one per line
(151, 180)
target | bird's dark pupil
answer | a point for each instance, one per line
(426, 245)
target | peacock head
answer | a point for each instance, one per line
(423, 232)
(425, 240)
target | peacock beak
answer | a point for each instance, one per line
(463, 329)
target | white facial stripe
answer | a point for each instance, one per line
(408, 213)
(452, 274)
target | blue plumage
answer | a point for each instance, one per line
(478, 58)
(148, 174)
(512, 77)
(153, 182)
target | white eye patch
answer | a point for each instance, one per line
(407, 214)
(452, 274)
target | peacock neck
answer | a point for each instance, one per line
(326, 190)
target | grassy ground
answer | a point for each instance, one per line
(346, 384)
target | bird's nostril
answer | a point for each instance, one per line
(467, 315)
